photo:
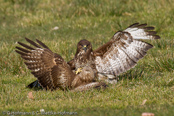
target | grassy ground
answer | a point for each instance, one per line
(152, 80)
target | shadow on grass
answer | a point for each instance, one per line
(35, 86)
(132, 74)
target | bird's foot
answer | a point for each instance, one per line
(78, 70)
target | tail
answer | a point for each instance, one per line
(34, 84)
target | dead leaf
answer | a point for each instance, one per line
(144, 101)
(148, 114)
(30, 95)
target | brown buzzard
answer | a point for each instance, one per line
(118, 55)
(52, 71)
(88, 67)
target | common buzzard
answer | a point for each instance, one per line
(88, 67)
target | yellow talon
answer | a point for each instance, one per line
(78, 70)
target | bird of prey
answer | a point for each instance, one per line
(118, 55)
(89, 67)
(52, 71)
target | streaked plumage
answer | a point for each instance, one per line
(118, 55)
(52, 71)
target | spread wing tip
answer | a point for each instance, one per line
(157, 37)
(32, 43)
(133, 25)
(142, 31)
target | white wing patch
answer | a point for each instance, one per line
(124, 52)
(139, 33)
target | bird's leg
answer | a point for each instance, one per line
(78, 70)
(107, 78)
(95, 85)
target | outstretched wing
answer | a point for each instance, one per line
(49, 68)
(124, 49)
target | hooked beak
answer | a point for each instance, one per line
(84, 48)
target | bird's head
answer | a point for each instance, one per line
(84, 47)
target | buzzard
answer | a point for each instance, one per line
(52, 71)
(89, 67)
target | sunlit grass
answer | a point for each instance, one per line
(95, 20)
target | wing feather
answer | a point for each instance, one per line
(49, 68)
(32, 43)
(124, 50)
(26, 46)
(42, 44)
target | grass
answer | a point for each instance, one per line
(95, 20)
